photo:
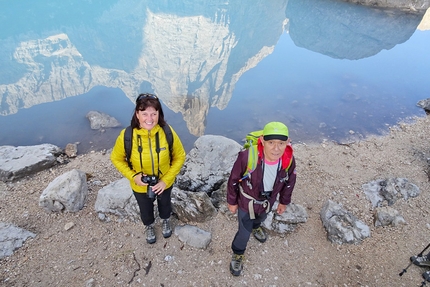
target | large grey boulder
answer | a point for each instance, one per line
(218, 197)
(12, 238)
(18, 162)
(389, 191)
(193, 236)
(208, 164)
(67, 192)
(388, 216)
(117, 198)
(192, 206)
(288, 221)
(341, 225)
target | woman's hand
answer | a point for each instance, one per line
(138, 180)
(159, 187)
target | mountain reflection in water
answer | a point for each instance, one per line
(327, 69)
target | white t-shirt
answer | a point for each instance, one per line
(270, 171)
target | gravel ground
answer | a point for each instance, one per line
(95, 253)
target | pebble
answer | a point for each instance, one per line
(69, 226)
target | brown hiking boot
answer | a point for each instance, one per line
(260, 234)
(236, 264)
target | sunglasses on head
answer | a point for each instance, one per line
(144, 96)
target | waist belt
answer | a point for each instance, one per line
(265, 203)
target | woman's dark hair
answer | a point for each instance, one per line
(144, 101)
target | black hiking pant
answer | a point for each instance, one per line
(146, 206)
(246, 224)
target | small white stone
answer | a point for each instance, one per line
(168, 258)
(257, 276)
(68, 226)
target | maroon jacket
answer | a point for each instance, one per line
(282, 187)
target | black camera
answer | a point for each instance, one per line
(151, 180)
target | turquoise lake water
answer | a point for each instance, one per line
(328, 69)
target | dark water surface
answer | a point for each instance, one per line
(328, 69)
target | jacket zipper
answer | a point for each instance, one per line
(150, 152)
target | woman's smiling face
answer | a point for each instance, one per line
(147, 118)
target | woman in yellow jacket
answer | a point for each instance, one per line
(151, 174)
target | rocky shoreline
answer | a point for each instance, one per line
(96, 253)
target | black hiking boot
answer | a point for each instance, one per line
(167, 230)
(150, 234)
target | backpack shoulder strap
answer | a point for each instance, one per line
(169, 138)
(252, 161)
(128, 141)
(288, 167)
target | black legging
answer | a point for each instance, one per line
(146, 205)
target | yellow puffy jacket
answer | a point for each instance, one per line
(165, 169)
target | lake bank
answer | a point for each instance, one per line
(110, 252)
